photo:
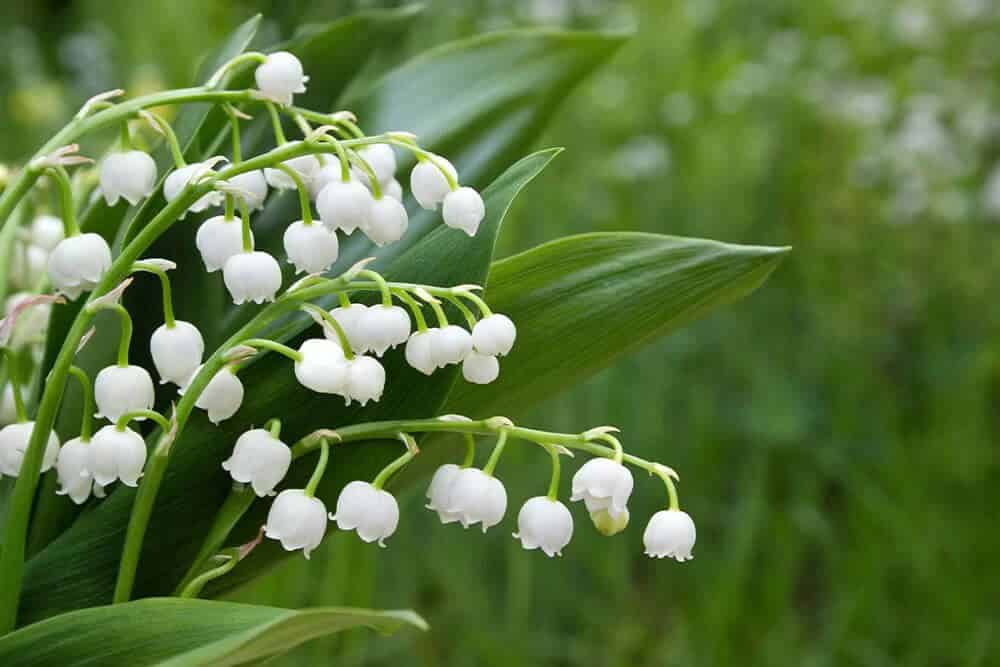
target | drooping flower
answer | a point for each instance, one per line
(387, 221)
(176, 351)
(78, 263)
(670, 534)
(130, 175)
(464, 209)
(253, 185)
(280, 77)
(365, 380)
(252, 276)
(494, 335)
(381, 158)
(305, 166)
(374, 513)
(603, 484)
(451, 345)
(218, 239)
(323, 368)
(345, 206)
(311, 248)
(259, 459)
(178, 179)
(429, 185)
(115, 454)
(480, 368)
(544, 523)
(439, 491)
(606, 524)
(477, 498)
(72, 469)
(420, 351)
(14, 440)
(221, 397)
(297, 520)
(46, 232)
(393, 189)
(382, 327)
(119, 390)
(349, 318)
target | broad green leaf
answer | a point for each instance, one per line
(173, 632)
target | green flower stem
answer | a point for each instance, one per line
(469, 317)
(304, 204)
(351, 127)
(229, 558)
(345, 344)
(478, 301)
(345, 162)
(125, 338)
(369, 172)
(86, 420)
(317, 476)
(273, 426)
(12, 376)
(67, 206)
(418, 314)
(170, 136)
(494, 459)
(423, 155)
(470, 450)
(383, 286)
(279, 132)
(439, 313)
(245, 227)
(124, 138)
(234, 130)
(274, 346)
(168, 301)
(387, 472)
(160, 420)
(671, 488)
(619, 450)
(554, 482)
(230, 208)
(229, 66)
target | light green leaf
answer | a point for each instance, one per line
(174, 632)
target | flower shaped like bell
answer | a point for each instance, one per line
(252, 276)
(46, 232)
(130, 176)
(387, 221)
(350, 319)
(382, 327)
(176, 351)
(115, 454)
(450, 345)
(253, 185)
(323, 367)
(280, 77)
(365, 380)
(259, 459)
(494, 335)
(345, 206)
(420, 351)
(603, 484)
(544, 523)
(439, 491)
(14, 440)
(381, 158)
(477, 498)
(374, 513)
(221, 397)
(311, 248)
(72, 467)
(606, 524)
(670, 534)
(78, 263)
(298, 521)
(305, 166)
(480, 368)
(178, 179)
(119, 390)
(218, 239)
(464, 209)
(429, 185)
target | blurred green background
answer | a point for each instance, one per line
(835, 433)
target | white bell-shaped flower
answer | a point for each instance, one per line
(28, 264)
(178, 179)
(603, 484)
(252, 276)
(222, 396)
(305, 166)
(480, 368)
(464, 209)
(280, 77)
(429, 185)
(130, 176)
(329, 173)
(47, 231)
(259, 459)
(311, 248)
(670, 534)
(176, 351)
(253, 185)
(72, 469)
(14, 440)
(451, 345)
(218, 239)
(544, 523)
(349, 318)
(383, 327)
(420, 351)
(78, 263)
(298, 521)
(374, 513)
(393, 189)
(381, 158)
(494, 335)
(387, 222)
(365, 380)
(477, 498)
(8, 411)
(119, 390)
(344, 206)
(323, 368)
(439, 491)
(116, 455)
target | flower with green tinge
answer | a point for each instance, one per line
(297, 520)
(387, 221)
(464, 209)
(429, 185)
(322, 367)
(544, 523)
(280, 77)
(130, 175)
(480, 368)
(603, 484)
(176, 351)
(115, 454)
(670, 534)
(252, 276)
(365, 380)
(440, 490)
(606, 524)
(374, 513)
(310, 248)
(382, 327)
(221, 397)
(345, 206)
(72, 468)
(178, 179)
(476, 497)
(47, 231)
(14, 440)
(119, 390)
(218, 239)
(78, 263)
(494, 335)
(259, 459)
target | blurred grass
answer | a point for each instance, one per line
(835, 433)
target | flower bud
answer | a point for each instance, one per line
(383, 327)
(119, 390)
(607, 525)
(544, 523)
(218, 239)
(298, 521)
(374, 513)
(259, 459)
(451, 345)
(387, 222)
(480, 368)
(221, 397)
(345, 206)
(365, 380)
(305, 166)
(311, 248)
(381, 158)
(280, 77)
(670, 534)
(464, 209)
(252, 276)
(603, 484)
(254, 184)
(176, 351)
(47, 231)
(419, 351)
(78, 263)
(178, 179)
(439, 491)
(130, 176)
(75, 479)
(477, 498)
(494, 335)
(349, 318)
(116, 455)
(429, 185)
(323, 368)
(14, 440)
